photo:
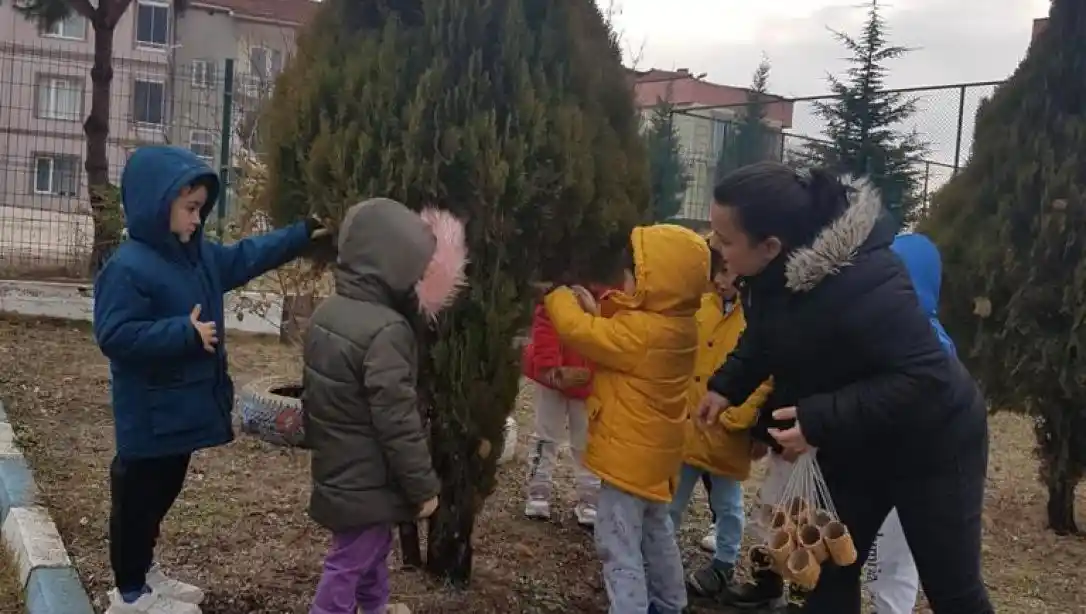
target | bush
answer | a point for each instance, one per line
(515, 115)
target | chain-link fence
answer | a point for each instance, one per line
(713, 139)
(45, 97)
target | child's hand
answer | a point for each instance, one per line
(710, 408)
(208, 336)
(585, 298)
(428, 508)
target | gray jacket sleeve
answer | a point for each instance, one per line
(390, 390)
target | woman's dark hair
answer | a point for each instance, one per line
(774, 200)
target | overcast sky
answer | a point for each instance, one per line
(954, 40)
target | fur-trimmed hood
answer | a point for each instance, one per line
(837, 245)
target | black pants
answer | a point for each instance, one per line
(142, 491)
(941, 517)
(707, 482)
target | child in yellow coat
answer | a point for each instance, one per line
(644, 355)
(720, 456)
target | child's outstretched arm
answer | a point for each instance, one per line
(613, 343)
(251, 257)
(742, 417)
(389, 383)
(125, 328)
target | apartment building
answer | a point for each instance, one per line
(707, 112)
(168, 86)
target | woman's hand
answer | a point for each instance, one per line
(792, 439)
(710, 408)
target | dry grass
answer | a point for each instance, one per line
(11, 594)
(240, 527)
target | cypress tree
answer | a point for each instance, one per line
(749, 140)
(516, 116)
(668, 177)
(1012, 229)
(863, 134)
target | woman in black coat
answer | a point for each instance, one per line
(858, 374)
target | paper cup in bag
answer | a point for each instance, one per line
(839, 543)
(803, 569)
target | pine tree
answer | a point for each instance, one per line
(863, 135)
(668, 175)
(749, 140)
(103, 17)
(1012, 229)
(514, 115)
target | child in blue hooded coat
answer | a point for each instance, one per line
(158, 317)
(891, 574)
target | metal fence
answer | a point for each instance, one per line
(943, 120)
(45, 96)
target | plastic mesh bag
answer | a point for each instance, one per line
(798, 523)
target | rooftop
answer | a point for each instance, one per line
(287, 11)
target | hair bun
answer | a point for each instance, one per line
(829, 197)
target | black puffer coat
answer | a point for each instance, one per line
(838, 327)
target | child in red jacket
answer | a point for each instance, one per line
(562, 383)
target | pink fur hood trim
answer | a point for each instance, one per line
(444, 275)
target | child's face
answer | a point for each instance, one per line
(744, 255)
(629, 283)
(725, 283)
(185, 212)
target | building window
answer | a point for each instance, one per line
(203, 74)
(152, 23)
(202, 143)
(57, 175)
(148, 98)
(60, 98)
(265, 63)
(72, 27)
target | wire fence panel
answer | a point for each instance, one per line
(943, 121)
(45, 96)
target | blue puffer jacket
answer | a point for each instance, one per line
(170, 396)
(921, 258)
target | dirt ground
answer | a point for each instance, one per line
(240, 527)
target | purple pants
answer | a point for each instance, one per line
(355, 573)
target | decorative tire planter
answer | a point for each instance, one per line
(271, 410)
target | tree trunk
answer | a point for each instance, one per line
(410, 548)
(106, 234)
(1061, 507)
(449, 548)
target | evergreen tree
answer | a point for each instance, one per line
(668, 175)
(103, 16)
(749, 140)
(863, 135)
(514, 115)
(1012, 229)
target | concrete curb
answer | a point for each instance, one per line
(50, 583)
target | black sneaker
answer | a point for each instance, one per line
(765, 590)
(710, 581)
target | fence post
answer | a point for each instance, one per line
(961, 123)
(224, 144)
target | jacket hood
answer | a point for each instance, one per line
(921, 258)
(388, 253)
(925, 266)
(152, 180)
(671, 270)
(862, 226)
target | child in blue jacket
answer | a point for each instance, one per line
(158, 317)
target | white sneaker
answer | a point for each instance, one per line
(538, 509)
(586, 515)
(149, 603)
(174, 589)
(708, 543)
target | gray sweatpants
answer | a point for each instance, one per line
(635, 541)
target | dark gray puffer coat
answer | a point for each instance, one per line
(370, 461)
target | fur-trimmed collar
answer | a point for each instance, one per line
(837, 244)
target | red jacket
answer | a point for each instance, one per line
(544, 352)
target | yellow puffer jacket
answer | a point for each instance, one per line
(724, 450)
(644, 354)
